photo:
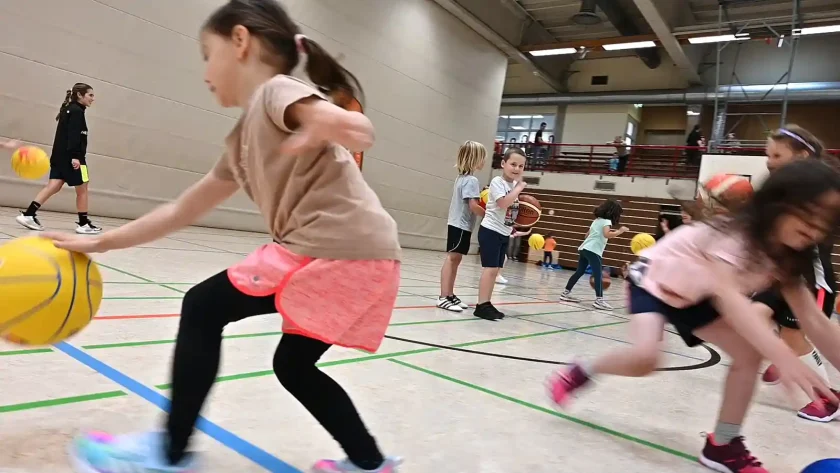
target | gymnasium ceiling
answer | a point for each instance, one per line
(586, 25)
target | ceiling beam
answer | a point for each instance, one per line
(453, 7)
(668, 41)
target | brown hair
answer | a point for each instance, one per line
(511, 151)
(79, 90)
(799, 140)
(268, 21)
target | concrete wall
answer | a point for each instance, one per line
(155, 129)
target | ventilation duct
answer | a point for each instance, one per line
(798, 93)
(587, 16)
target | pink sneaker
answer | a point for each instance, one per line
(820, 412)
(346, 466)
(771, 375)
(731, 458)
(564, 382)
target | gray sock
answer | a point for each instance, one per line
(724, 433)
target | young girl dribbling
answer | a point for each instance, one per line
(699, 279)
(288, 152)
(591, 251)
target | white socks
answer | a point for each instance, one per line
(814, 361)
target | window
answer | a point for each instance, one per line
(515, 127)
(630, 131)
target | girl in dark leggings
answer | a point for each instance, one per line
(592, 249)
(291, 153)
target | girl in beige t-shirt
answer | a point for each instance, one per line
(333, 271)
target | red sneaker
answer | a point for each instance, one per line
(771, 375)
(564, 382)
(820, 412)
(731, 458)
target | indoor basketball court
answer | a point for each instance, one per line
(449, 392)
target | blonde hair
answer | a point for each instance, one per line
(470, 157)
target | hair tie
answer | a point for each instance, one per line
(798, 138)
(299, 43)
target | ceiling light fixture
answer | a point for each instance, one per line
(817, 30)
(635, 45)
(717, 39)
(553, 52)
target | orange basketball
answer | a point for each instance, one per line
(529, 211)
(725, 192)
(606, 280)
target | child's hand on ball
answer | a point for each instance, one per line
(76, 243)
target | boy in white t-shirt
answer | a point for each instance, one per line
(497, 228)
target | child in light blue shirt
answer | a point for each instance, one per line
(591, 251)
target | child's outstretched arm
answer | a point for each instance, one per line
(737, 311)
(195, 202)
(824, 334)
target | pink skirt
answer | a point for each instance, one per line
(340, 302)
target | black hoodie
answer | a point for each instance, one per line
(71, 135)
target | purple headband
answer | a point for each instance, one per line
(798, 138)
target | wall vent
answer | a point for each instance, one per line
(607, 186)
(600, 80)
(531, 181)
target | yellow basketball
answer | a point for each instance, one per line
(640, 242)
(30, 162)
(536, 241)
(485, 196)
(48, 294)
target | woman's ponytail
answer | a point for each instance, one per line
(64, 105)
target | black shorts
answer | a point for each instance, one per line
(492, 246)
(71, 177)
(686, 320)
(782, 314)
(458, 240)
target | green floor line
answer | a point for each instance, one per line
(31, 351)
(259, 374)
(61, 401)
(578, 421)
(140, 278)
(253, 335)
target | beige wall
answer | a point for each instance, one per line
(625, 73)
(595, 124)
(431, 83)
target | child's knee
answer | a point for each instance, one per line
(455, 257)
(646, 361)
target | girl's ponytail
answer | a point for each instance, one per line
(325, 72)
(64, 105)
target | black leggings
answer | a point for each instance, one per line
(206, 309)
(590, 259)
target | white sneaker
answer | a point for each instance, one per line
(568, 297)
(461, 303)
(88, 229)
(501, 279)
(447, 303)
(31, 223)
(601, 304)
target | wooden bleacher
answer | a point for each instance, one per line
(571, 220)
(573, 215)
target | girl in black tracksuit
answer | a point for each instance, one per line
(68, 164)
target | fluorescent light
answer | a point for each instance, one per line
(781, 41)
(692, 114)
(716, 39)
(520, 117)
(553, 52)
(818, 30)
(536, 116)
(518, 128)
(638, 105)
(636, 45)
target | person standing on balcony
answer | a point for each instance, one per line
(693, 142)
(622, 153)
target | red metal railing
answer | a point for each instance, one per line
(677, 162)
